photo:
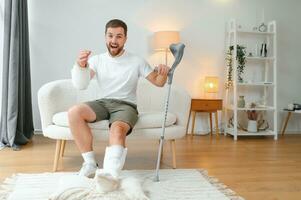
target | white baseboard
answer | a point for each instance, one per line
(38, 132)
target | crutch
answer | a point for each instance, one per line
(177, 51)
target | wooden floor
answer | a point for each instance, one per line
(255, 168)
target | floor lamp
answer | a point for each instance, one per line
(162, 40)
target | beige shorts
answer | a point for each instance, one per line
(115, 110)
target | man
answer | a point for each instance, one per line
(117, 72)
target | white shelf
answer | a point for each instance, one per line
(251, 32)
(268, 108)
(257, 84)
(268, 72)
(246, 133)
(260, 58)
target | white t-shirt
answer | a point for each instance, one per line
(118, 76)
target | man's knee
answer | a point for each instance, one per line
(80, 112)
(119, 130)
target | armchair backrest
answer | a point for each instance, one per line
(149, 98)
(59, 96)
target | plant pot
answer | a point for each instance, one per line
(252, 126)
(241, 102)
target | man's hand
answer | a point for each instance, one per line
(159, 76)
(162, 70)
(82, 59)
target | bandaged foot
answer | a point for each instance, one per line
(104, 182)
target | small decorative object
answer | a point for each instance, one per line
(255, 28)
(250, 54)
(252, 117)
(293, 106)
(241, 102)
(252, 126)
(239, 26)
(262, 27)
(290, 106)
(263, 50)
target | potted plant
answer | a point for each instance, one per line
(252, 119)
(241, 60)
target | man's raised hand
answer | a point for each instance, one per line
(83, 56)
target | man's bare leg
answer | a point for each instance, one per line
(78, 117)
(118, 133)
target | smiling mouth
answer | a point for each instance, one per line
(113, 46)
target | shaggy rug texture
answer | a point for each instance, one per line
(193, 184)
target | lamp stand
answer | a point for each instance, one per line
(166, 56)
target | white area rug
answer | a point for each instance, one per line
(174, 185)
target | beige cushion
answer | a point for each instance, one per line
(145, 120)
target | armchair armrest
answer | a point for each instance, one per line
(53, 97)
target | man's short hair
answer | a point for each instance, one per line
(114, 23)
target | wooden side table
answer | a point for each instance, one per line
(289, 113)
(205, 105)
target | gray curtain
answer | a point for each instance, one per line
(16, 114)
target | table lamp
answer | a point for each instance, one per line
(211, 84)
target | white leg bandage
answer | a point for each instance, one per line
(107, 179)
(114, 160)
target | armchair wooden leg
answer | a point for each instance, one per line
(173, 150)
(57, 154)
(62, 148)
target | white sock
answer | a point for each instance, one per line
(89, 157)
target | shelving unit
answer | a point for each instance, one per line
(264, 88)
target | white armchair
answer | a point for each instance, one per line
(56, 97)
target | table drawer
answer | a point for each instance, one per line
(200, 104)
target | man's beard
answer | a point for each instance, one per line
(114, 51)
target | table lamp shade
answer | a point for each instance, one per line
(211, 84)
(162, 39)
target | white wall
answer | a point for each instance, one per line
(60, 28)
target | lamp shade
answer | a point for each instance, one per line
(211, 84)
(162, 39)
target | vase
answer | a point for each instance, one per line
(241, 102)
(252, 126)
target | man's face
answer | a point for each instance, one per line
(115, 40)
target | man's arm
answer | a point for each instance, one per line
(81, 73)
(159, 76)
(82, 61)
(92, 73)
